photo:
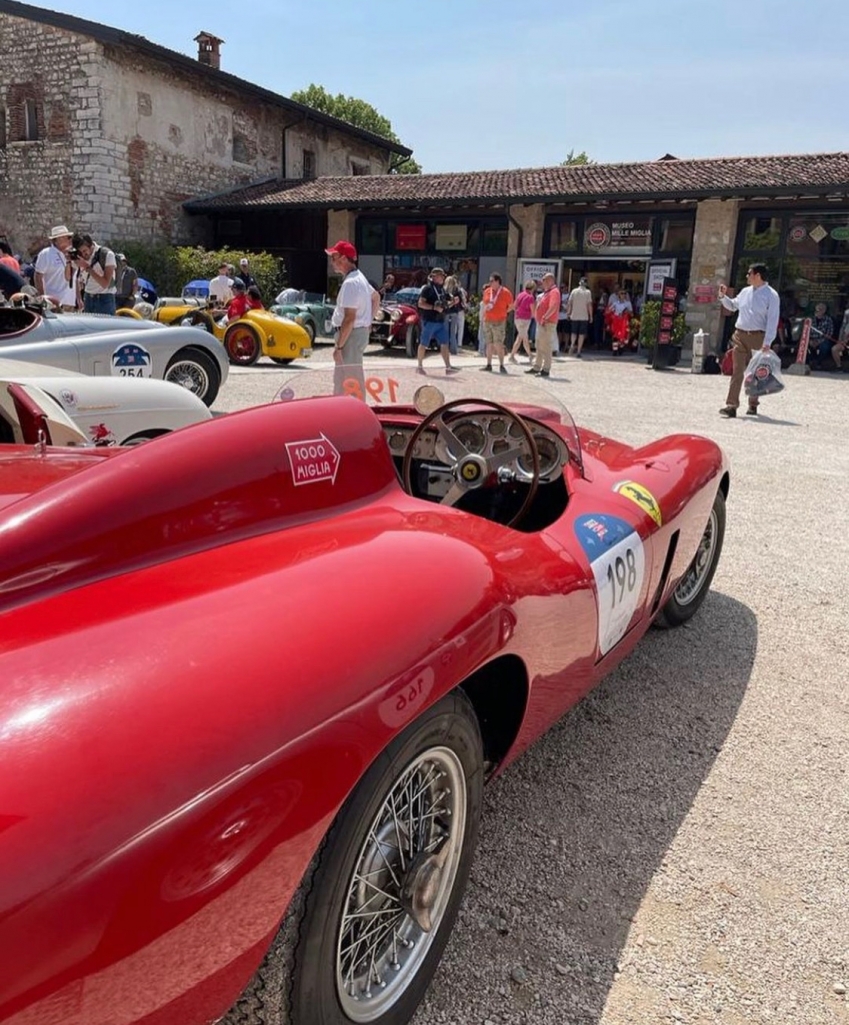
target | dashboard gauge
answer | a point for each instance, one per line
(515, 430)
(502, 445)
(549, 457)
(470, 435)
(398, 441)
(497, 427)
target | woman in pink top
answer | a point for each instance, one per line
(523, 313)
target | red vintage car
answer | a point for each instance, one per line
(204, 818)
(398, 322)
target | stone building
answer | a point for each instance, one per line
(105, 131)
(618, 225)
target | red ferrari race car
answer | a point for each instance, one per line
(397, 321)
(203, 819)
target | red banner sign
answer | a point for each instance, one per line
(411, 236)
(804, 341)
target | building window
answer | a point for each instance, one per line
(230, 227)
(2, 127)
(30, 121)
(241, 153)
(676, 236)
(357, 168)
(309, 163)
(761, 234)
(563, 235)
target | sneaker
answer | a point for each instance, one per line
(502, 369)
(580, 355)
(533, 370)
(728, 411)
(487, 367)
(752, 411)
(544, 373)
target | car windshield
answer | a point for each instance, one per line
(403, 295)
(388, 387)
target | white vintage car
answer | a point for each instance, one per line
(115, 347)
(64, 408)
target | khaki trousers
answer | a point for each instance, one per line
(745, 345)
(545, 340)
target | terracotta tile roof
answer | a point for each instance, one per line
(117, 37)
(797, 174)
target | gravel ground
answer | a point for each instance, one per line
(675, 849)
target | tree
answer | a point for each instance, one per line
(358, 113)
(576, 158)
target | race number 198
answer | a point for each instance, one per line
(619, 573)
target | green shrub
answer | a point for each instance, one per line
(171, 267)
(649, 320)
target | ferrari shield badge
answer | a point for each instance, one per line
(641, 496)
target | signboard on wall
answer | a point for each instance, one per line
(411, 236)
(451, 236)
(535, 270)
(622, 235)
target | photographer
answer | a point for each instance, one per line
(433, 304)
(54, 271)
(98, 265)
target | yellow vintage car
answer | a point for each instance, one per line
(257, 333)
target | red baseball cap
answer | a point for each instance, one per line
(346, 249)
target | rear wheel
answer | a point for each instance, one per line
(693, 587)
(366, 929)
(197, 371)
(141, 437)
(242, 344)
(309, 327)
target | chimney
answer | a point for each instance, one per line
(208, 49)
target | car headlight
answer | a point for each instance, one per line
(395, 315)
(379, 315)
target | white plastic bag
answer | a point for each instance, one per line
(763, 375)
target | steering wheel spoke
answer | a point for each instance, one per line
(472, 471)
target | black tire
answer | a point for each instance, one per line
(694, 585)
(298, 982)
(196, 370)
(411, 340)
(309, 327)
(281, 362)
(242, 343)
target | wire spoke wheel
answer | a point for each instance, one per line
(403, 879)
(697, 574)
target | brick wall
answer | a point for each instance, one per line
(124, 140)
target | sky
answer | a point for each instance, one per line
(472, 85)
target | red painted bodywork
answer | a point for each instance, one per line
(168, 763)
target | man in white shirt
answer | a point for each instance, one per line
(221, 287)
(54, 273)
(758, 308)
(356, 306)
(579, 312)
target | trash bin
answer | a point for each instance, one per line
(699, 352)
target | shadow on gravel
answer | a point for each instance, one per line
(576, 830)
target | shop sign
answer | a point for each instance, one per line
(451, 236)
(819, 233)
(797, 233)
(411, 236)
(840, 234)
(705, 293)
(656, 275)
(624, 234)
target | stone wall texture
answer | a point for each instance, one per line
(123, 139)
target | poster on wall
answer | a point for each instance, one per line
(451, 237)
(411, 236)
(624, 235)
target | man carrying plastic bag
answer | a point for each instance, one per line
(763, 376)
(757, 306)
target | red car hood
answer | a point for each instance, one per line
(25, 470)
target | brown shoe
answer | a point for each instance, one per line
(728, 411)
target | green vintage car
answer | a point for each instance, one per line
(311, 310)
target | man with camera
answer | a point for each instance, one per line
(54, 271)
(97, 265)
